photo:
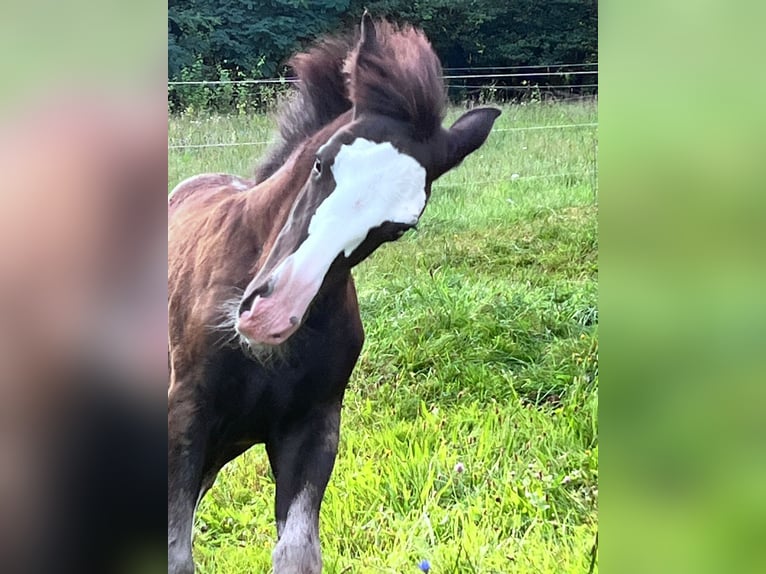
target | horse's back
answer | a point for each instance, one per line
(201, 186)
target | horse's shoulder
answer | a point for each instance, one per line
(198, 185)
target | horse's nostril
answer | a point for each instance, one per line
(247, 303)
(263, 291)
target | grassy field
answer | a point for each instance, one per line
(482, 349)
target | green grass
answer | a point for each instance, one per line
(482, 348)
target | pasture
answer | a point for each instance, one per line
(469, 432)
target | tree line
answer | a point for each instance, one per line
(251, 39)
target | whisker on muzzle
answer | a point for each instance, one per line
(229, 312)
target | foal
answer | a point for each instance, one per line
(264, 326)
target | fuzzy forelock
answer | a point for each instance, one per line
(399, 76)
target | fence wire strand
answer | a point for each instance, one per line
(256, 143)
(513, 178)
(455, 74)
(533, 67)
(292, 80)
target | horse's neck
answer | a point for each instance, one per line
(335, 300)
(268, 204)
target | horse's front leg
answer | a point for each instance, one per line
(187, 442)
(302, 458)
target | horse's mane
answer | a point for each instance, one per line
(320, 98)
(397, 76)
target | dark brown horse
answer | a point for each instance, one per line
(264, 322)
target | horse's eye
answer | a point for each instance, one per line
(317, 166)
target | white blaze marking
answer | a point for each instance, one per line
(375, 183)
(298, 548)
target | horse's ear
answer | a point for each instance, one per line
(468, 133)
(368, 43)
(367, 38)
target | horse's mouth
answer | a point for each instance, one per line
(258, 332)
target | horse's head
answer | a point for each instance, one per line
(370, 179)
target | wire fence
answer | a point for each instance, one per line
(483, 87)
(591, 173)
(476, 84)
(292, 80)
(491, 87)
(527, 67)
(266, 142)
(518, 177)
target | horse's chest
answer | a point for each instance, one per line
(320, 374)
(290, 389)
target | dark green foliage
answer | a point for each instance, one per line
(256, 37)
(500, 32)
(250, 39)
